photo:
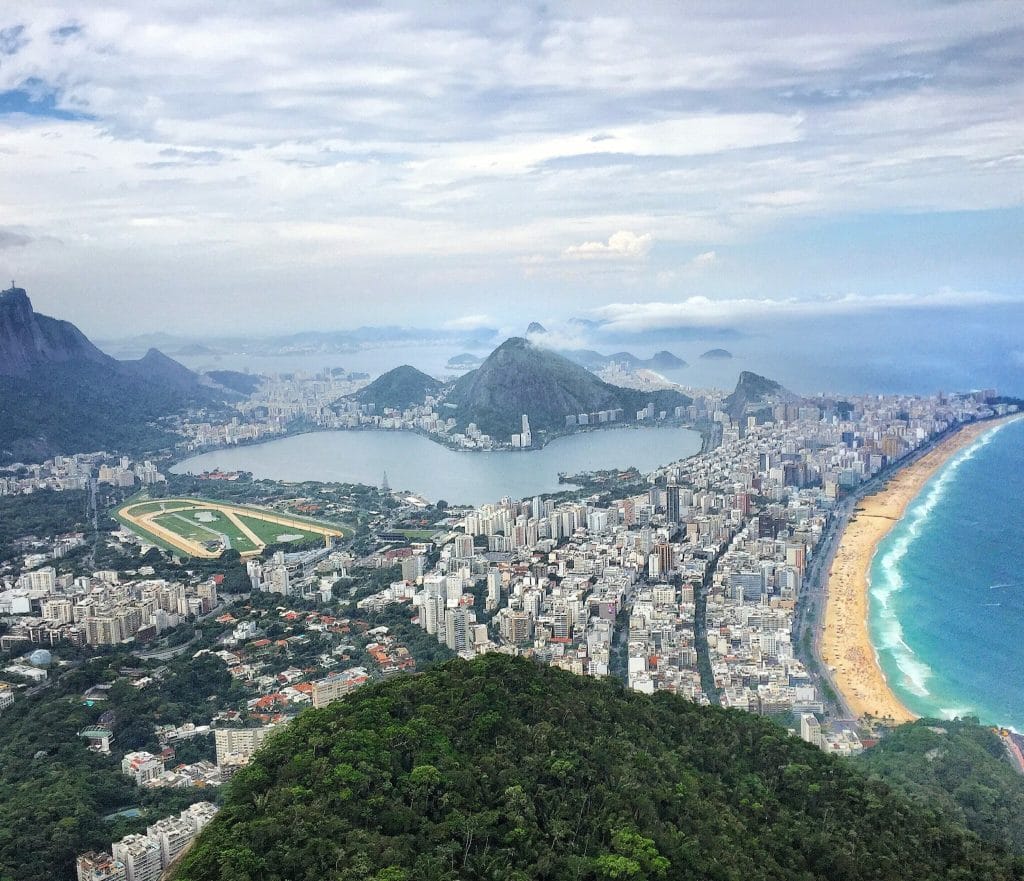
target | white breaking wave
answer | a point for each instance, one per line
(955, 712)
(916, 672)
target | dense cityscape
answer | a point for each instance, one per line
(701, 579)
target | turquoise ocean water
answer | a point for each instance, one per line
(947, 588)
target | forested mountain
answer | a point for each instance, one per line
(519, 377)
(960, 767)
(498, 768)
(60, 394)
(398, 389)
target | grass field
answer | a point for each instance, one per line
(204, 525)
(205, 529)
(270, 533)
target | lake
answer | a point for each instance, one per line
(415, 463)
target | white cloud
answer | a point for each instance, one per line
(470, 322)
(704, 259)
(621, 245)
(704, 311)
(493, 142)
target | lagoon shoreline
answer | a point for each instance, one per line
(846, 645)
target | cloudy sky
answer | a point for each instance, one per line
(269, 165)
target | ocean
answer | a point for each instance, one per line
(947, 588)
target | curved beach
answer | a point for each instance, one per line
(846, 645)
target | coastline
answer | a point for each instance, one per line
(846, 645)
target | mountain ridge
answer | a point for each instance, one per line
(59, 393)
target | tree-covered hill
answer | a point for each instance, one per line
(398, 389)
(500, 769)
(959, 767)
(519, 377)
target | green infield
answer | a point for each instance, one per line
(275, 533)
(203, 525)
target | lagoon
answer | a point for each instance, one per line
(413, 462)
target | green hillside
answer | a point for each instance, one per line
(501, 769)
(519, 377)
(398, 389)
(959, 767)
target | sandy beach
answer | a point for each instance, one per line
(846, 642)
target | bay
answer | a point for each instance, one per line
(413, 462)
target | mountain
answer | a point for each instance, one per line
(750, 392)
(397, 389)
(242, 383)
(29, 341)
(461, 362)
(665, 361)
(156, 367)
(596, 361)
(959, 767)
(716, 354)
(519, 377)
(535, 327)
(499, 768)
(61, 394)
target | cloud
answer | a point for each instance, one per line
(12, 39)
(706, 258)
(11, 239)
(401, 147)
(706, 312)
(470, 322)
(621, 245)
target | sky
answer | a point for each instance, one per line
(270, 166)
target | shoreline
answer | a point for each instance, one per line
(846, 645)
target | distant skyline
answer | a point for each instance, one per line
(262, 167)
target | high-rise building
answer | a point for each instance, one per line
(493, 590)
(459, 628)
(336, 685)
(235, 745)
(141, 857)
(672, 508)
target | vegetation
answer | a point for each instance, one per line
(397, 389)
(40, 514)
(960, 768)
(54, 793)
(500, 769)
(243, 383)
(520, 378)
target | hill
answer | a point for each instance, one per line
(61, 394)
(461, 362)
(596, 361)
(242, 383)
(959, 767)
(716, 354)
(399, 388)
(519, 377)
(501, 769)
(750, 392)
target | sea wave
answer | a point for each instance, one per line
(955, 712)
(915, 673)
